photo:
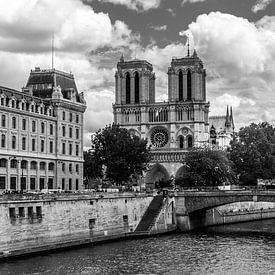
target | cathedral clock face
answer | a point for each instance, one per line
(159, 138)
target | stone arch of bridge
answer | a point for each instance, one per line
(204, 202)
(157, 173)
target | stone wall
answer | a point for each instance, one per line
(29, 224)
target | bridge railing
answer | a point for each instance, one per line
(223, 189)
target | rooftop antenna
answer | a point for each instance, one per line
(188, 46)
(52, 51)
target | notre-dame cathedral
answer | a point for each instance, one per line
(174, 126)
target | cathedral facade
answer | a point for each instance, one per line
(171, 127)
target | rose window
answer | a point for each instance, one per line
(159, 138)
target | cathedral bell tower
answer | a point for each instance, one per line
(135, 82)
(186, 79)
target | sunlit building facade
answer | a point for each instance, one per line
(41, 130)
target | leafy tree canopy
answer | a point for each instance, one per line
(253, 152)
(123, 154)
(92, 169)
(206, 167)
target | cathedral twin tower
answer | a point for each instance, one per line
(171, 127)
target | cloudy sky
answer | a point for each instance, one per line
(234, 38)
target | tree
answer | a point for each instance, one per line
(124, 155)
(92, 169)
(206, 167)
(253, 153)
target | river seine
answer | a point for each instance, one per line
(245, 248)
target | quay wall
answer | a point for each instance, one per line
(30, 224)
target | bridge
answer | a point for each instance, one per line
(192, 206)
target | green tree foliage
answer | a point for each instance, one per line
(206, 167)
(123, 154)
(92, 169)
(253, 153)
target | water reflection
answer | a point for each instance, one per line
(226, 250)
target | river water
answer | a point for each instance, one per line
(245, 248)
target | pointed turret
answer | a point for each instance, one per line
(195, 54)
(227, 118)
(231, 118)
(121, 58)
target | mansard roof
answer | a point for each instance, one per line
(43, 81)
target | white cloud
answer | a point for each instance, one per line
(191, 1)
(240, 61)
(138, 5)
(159, 28)
(26, 27)
(261, 5)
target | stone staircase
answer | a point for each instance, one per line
(150, 216)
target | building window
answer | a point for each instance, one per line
(63, 184)
(24, 124)
(42, 166)
(181, 141)
(77, 168)
(33, 126)
(64, 116)
(70, 184)
(180, 86)
(39, 212)
(30, 212)
(32, 108)
(51, 166)
(76, 184)
(51, 147)
(32, 184)
(71, 117)
(23, 143)
(77, 118)
(189, 142)
(3, 141)
(3, 163)
(42, 145)
(63, 131)
(13, 163)
(24, 164)
(13, 122)
(2, 101)
(63, 148)
(41, 183)
(70, 168)
(2, 182)
(77, 133)
(13, 142)
(70, 132)
(51, 129)
(33, 165)
(13, 183)
(3, 122)
(50, 183)
(128, 88)
(76, 149)
(136, 87)
(33, 144)
(21, 212)
(42, 127)
(189, 85)
(70, 149)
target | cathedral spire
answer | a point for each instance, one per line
(188, 46)
(227, 119)
(121, 58)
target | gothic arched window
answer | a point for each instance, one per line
(189, 142)
(136, 87)
(181, 141)
(189, 85)
(128, 88)
(180, 86)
